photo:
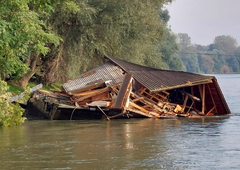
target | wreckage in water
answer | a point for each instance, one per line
(120, 89)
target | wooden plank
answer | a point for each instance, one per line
(123, 91)
(126, 99)
(102, 96)
(142, 90)
(84, 102)
(155, 114)
(106, 89)
(210, 110)
(99, 103)
(203, 99)
(118, 115)
(212, 98)
(184, 103)
(191, 96)
(137, 99)
(85, 93)
(140, 112)
(138, 107)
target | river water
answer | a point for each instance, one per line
(206, 143)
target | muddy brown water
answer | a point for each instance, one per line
(196, 143)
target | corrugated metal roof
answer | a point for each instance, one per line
(101, 74)
(158, 79)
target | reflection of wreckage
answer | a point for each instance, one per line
(119, 89)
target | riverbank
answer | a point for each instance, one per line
(16, 90)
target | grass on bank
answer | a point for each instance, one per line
(16, 90)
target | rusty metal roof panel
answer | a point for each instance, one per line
(158, 79)
(101, 74)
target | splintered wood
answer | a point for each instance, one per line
(133, 102)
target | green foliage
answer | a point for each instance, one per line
(14, 89)
(191, 63)
(130, 30)
(177, 64)
(183, 40)
(206, 63)
(227, 44)
(10, 114)
(21, 34)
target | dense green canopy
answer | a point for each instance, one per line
(31, 30)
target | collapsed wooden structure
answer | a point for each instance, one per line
(120, 89)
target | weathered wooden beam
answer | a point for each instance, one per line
(138, 107)
(191, 96)
(119, 103)
(118, 115)
(106, 89)
(203, 99)
(85, 93)
(140, 112)
(184, 103)
(210, 110)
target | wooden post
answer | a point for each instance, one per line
(203, 99)
(103, 112)
(184, 103)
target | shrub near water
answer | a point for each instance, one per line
(10, 114)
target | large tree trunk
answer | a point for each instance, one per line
(32, 62)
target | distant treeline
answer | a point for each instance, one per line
(222, 56)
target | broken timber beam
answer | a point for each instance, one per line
(184, 103)
(118, 115)
(138, 107)
(106, 89)
(140, 113)
(119, 103)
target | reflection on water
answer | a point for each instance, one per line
(196, 143)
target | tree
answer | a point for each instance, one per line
(184, 40)
(129, 30)
(191, 62)
(233, 63)
(206, 63)
(89, 29)
(10, 114)
(22, 38)
(177, 64)
(225, 43)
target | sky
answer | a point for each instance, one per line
(203, 20)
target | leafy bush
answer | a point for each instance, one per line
(10, 114)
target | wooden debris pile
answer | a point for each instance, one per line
(124, 96)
